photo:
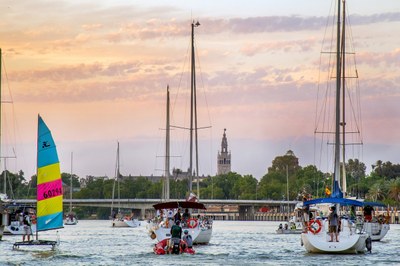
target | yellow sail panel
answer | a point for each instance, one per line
(50, 206)
(48, 173)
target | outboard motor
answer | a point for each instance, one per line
(176, 246)
(368, 244)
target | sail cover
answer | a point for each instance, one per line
(49, 184)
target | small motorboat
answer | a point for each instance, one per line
(166, 247)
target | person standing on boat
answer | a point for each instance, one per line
(186, 215)
(176, 230)
(178, 216)
(368, 211)
(176, 235)
(27, 227)
(333, 224)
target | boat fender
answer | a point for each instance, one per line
(314, 226)
(153, 235)
(192, 223)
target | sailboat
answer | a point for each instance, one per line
(199, 228)
(294, 225)
(160, 227)
(49, 214)
(351, 238)
(118, 219)
(10, 211)
(71, 217)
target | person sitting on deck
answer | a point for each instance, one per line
(188, 239)
(286, 226)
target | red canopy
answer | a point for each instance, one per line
(179, 204)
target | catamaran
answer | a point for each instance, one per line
(49, 214)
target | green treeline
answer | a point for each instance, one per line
(382, 184)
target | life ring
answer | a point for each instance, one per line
(314, 226)
(192, 223)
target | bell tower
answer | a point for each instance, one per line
(224, 157)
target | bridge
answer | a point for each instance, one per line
(217, 208)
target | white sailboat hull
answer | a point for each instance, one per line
(163, 233)
(350, 241)
(1, 231)
(289, 231)
(204, 236)
(125, 223)
(70, 221)
(15, 228)
(376, 231)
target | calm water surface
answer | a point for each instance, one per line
(233, 243)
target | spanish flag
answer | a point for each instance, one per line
(327, 191)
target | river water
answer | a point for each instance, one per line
(233, 243)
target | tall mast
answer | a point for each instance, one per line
(70, 188)
(337, 106)
(119, 194)
(4, 180)
(167, 151)
(344, 183)
(193, 111)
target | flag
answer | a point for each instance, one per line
(192, 197)
(327, 191)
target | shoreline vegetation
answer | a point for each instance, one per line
(382, 185)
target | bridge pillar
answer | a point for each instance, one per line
(246, 213)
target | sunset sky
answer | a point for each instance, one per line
(97, 72)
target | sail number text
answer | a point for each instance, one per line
(52, 193)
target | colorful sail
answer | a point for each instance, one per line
(49, 184)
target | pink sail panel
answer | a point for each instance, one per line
(49, 190)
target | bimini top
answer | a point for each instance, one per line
(179, 204)
(341, 201)
(373, 204)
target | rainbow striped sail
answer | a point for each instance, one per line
(49, 184)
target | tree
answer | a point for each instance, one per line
(394, 190)
(355, 172)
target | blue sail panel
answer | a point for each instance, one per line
(47, 151)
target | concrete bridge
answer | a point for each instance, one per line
(217, 208)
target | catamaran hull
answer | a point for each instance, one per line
(352, 245)
(376, 231)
